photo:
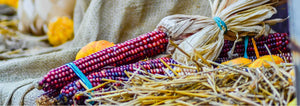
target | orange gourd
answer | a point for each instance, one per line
(261, 61)
(93, 47)
(238, 61)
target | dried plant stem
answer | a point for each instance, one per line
(107, 93)
(242, 72)
(169, 67)
(184, 103)
(85, 87)
(158, 97)
(112, 101)
(176, 46)
(264, 91)
(269, 52)
(94, 88)
(105, 96)
(268, 82)
(184, 67)
(243, 99)
(201, 57)
(235, 84)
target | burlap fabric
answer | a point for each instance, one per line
(112, 20)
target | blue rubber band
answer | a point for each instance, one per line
(83, 78)
(246, 46)
(220, 23)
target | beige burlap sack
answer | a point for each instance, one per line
(112, 20)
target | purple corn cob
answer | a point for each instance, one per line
(152, 66)
(275, 42)
(130, 51)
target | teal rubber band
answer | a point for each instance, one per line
(83, 78)
(246, 46)
(220, 23)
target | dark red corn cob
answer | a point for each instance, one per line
(51, 93)
(152, 66)
(130, 51)
(275, 42)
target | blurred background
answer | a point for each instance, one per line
(29, 26)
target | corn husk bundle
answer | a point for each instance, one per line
(242, 18)
(227, 85)
(34, 15)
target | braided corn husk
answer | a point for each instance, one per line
(201, 33)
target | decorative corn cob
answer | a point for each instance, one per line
(152, 66)
(130, 51)
(51, 93)
(275, 42)
(47, 98)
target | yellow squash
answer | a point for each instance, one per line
(93, 47)
(238, 61)
(262, 61)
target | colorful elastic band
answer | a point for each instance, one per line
(83, 78)
(220, 23)
(246, 46)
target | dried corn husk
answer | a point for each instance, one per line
(242, 17)
(34, 15)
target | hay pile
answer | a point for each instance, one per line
(226, 85)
